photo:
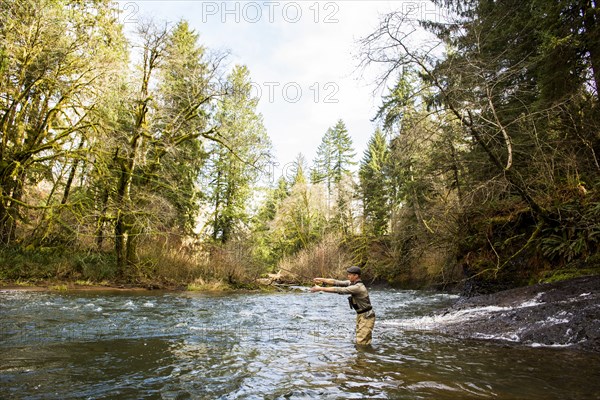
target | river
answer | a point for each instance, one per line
(184, 345)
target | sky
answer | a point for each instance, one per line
(303, 61)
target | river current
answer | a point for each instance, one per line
(183, 345)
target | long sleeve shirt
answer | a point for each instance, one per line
(359, 299)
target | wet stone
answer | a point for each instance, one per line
(557, 314)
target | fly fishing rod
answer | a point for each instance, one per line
(301, 276)
(296, 273)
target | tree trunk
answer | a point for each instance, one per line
(122, 225)
(216, 221)
(592, 40)
(7, 221)
(100, 220)
(120, 237)
(69, 182)
(7, 224)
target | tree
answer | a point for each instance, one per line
(300, 220)
(296, 174)
(269, 247)
(342, 152)
(323, 163)
(332, 168)
(374, 185)
(133, 144)
(334, 157)
(185, 105)
(237, 161)
(511, 102)
(54, 57)
(525, 91)
(160, 127)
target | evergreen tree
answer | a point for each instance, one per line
(296, 172)
(236, 162)
(510, 110)
(342, 152)
(323, 163)
(269, 247)
(374, 187)
(168, 114)
(175, 165)
(334, 157)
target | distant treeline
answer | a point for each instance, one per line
(140, 160)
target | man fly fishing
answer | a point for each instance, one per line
(359, 301)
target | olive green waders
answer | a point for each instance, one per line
(364, 327)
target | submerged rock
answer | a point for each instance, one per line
(561, 314)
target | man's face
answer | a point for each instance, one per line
(353, 277)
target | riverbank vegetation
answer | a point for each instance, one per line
(145, 160)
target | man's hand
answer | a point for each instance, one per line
(318, 288)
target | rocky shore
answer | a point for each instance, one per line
(561, 314)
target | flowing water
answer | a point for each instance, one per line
(134, 345)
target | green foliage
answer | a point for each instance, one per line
(28, 264)
(237, 159)
(3, 60)
(45, 263)
(301, 219)
(399, 102)
(97, 155)
(494, 137)
(342, 152)
(374, 185)
(491, 166)
(575, 235)
(296, 173)
(269, 247)
(564, 275)
(51, 82)
(179, 154)
(334, 157)
(96, 267)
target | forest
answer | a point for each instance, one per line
(143, 161)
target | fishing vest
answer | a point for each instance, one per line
(360, 302)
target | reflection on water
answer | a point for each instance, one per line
(290, 345)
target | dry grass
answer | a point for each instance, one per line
(200, 285)
(326, 259)
(211, 266)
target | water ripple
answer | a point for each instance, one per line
(256, 346)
